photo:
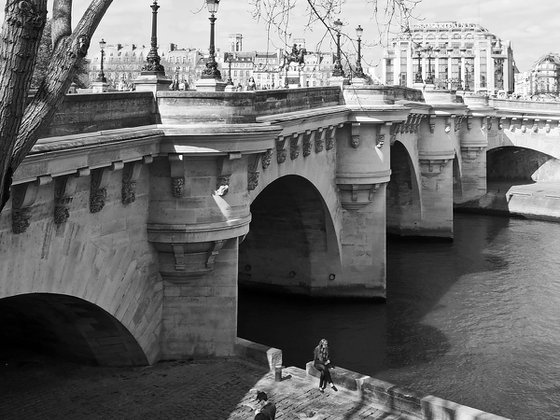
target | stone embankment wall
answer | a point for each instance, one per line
(392, 398)
(369, 391)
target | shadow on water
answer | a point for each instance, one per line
(372, 337)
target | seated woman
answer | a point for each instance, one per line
(322, 363)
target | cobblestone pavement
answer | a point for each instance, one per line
(213, 390)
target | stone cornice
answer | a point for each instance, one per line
(200, 232)
(65, 155)
(318, 114)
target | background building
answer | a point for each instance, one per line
(450, 55)
(123, 63)
(544, 77)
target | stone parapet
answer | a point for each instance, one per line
(259, 353)
(87, 113)
(405, 402)
(191, 107)
(373, 95)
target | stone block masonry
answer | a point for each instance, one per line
(407, 403)
(101, 259)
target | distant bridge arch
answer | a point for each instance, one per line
(292, 243)
(404, 204)
(538, 141)
(513, 163)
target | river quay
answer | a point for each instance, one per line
(214, 389)
(210, 389)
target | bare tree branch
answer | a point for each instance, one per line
(387, 14)
(61, 69)
(61, 21)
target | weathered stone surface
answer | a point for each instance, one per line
(160, 250)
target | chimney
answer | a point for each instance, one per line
(172, 47)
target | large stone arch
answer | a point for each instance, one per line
(292, 243)
(68, 327)
(404, 203)
(521, 165)
(102, 258)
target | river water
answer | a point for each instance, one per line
(476, 320)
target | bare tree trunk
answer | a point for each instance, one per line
(21, 32)
(16, 144)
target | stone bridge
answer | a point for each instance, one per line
(135, 217)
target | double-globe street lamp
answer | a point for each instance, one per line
(101, 76)
(359, 70)
(338, 71)
(211, 71)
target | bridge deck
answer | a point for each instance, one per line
(213, 390)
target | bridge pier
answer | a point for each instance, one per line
(436, 175)
(438, 147)
(195, 231)
(363, 171)
(474, 143)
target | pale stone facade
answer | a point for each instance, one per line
(544, 77)
(450, 55)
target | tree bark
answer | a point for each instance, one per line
(21, 32)
(23, 128)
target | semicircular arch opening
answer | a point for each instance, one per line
(66, 327)
(291, 245)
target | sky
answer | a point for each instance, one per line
(530, 25)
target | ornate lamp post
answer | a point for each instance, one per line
(153, 59)
(211, 71)
(418, 78)
(468, 72)
(429, 76)
(229, 80)
(338, 71)
(460, 71)
(359, 70)
(101, 76)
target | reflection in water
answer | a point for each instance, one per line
(474, 321)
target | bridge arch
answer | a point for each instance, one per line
(513, 163)
(292, 243)
(404, 205)
(457, 179)
(67, 327)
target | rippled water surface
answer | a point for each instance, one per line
(476, 321)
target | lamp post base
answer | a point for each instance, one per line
(338, 81)
(98, 87)
(210, 85)
(359, 81)
(149, 81)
